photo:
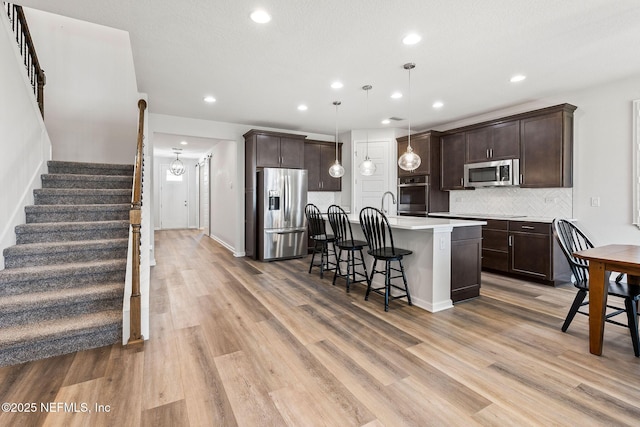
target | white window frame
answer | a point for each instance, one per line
(636, 162)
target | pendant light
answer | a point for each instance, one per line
(409, 160)
(336, 170)
(367, 167)
(177, 167)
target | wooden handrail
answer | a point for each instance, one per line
(28, 51)
(135, 217)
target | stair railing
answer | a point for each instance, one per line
(28, 51)
(135, 218)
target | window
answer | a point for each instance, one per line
(172, 177)
(636, 162)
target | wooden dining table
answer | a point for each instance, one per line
(619, 258)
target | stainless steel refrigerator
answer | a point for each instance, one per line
(281, 228)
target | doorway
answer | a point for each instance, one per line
(368, 190)
(174, 196)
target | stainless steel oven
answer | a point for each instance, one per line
(413, 195)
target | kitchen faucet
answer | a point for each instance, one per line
(393, 200)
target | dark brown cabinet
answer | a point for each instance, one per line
(452, 161)
(495, 245)
(427, 146)
(318, 158)
(530, 244)
(494, 142)
(265, 149)
(421, 145)
(541, 139)
(466, 251)
(546, 146)
(278, 151)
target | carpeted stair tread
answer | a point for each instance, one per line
(77, 213)
(12, 275)
(46, 227)
(55, 253)
(84, 196)
(66, 296)
(86, 181)
(56, 166)
(59, 247)
(82, 192)
(59, 328)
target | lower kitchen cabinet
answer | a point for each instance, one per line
(466, 261)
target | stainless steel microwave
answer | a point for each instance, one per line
(492, 174)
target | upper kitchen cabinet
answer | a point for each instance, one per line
(546, 148)
(452, 164)
(497, 141)
(318, 158)
(423, 145)
(275, 149)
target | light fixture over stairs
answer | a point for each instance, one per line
(62, 287)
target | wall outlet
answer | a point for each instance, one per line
(459, 199)
(551, 200)
(595, 202)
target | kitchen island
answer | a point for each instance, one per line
(436, 244)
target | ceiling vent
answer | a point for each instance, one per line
(396, 119)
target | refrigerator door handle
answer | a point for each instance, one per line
(287, 199)
(285, 231)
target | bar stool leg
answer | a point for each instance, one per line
(404, 279)
(313, 254)
(370, 281)
(387, 284)
(337, 271)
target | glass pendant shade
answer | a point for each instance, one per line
(367, 167)
(177, 167)
(409, 161)
(336, 170)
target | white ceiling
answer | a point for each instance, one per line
(259, 74)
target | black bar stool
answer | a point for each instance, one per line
(322, 242)
(345, 242)
(377, 231)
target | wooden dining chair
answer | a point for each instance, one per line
(572, 239)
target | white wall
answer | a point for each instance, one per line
(91, 94)
(602, 155)
(24, 142)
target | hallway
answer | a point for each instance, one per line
(239, 342)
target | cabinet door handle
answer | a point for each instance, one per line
(510, 240)
(521, 179)
(528, 227)
(487, 153)
(491, 152)
(461, 182)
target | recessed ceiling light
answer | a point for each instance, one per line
(210, 99)
(386, 121)
(396, 95)
(518, 78)
(337, 85)
(410, 39)
(183, 143)
(438, 104)
(302, 107)
(260, 16)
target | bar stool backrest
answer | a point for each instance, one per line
(315, 221)
(376, 229)
(340, 224)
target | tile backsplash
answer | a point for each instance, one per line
(533, 202)
(322, 199)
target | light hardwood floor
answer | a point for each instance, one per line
(239, 342)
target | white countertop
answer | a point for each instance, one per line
(493, 216)
(422, 223)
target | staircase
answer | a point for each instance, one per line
(62, 287)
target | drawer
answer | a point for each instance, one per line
(496, 224)
(530, 227)
(495, 260)
(495, 239)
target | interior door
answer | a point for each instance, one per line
(174, 191)
(369, 189)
